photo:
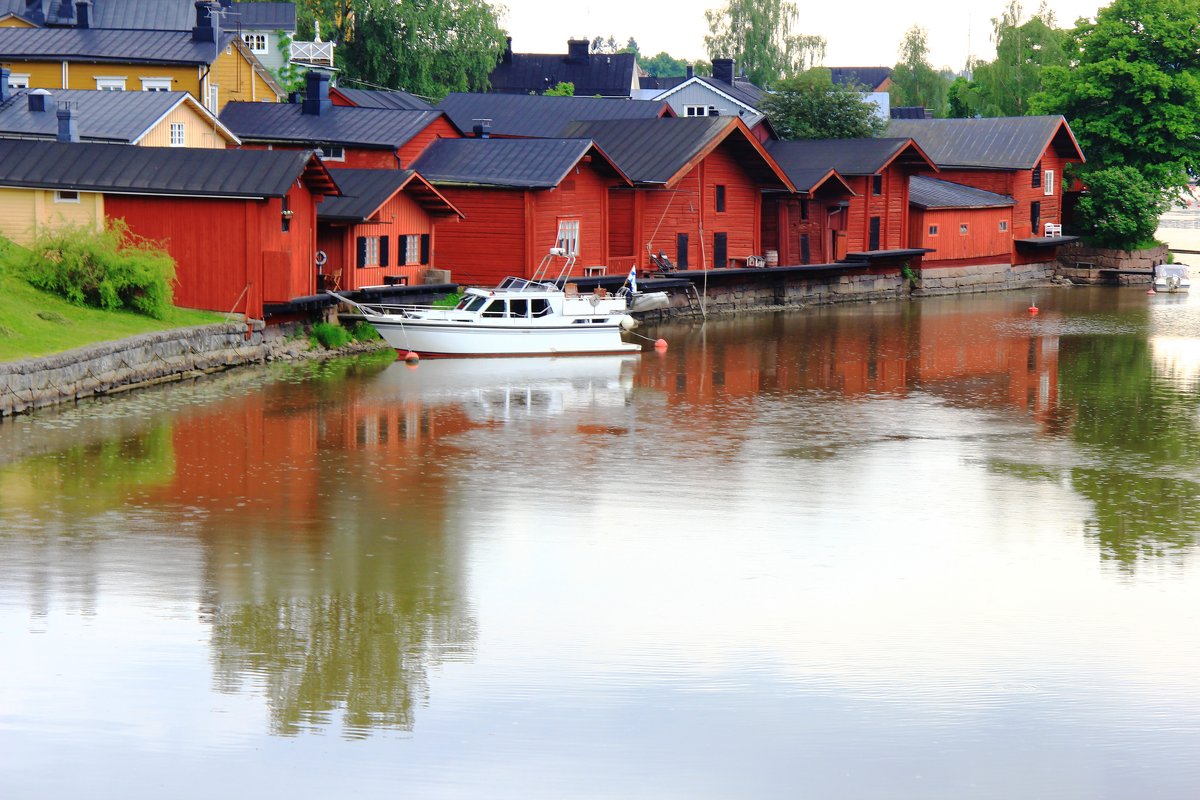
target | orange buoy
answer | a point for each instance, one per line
(660, 345)
(411, 358)
(1033, 310)
(1151, 291)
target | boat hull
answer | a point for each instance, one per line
(435, 338)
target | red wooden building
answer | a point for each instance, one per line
(873, 223)
(959, 225)
(380, 229)
(697, 194)
(519, 198)
(241, 225)
(1018, 157)
(799, 228)
(345, 136)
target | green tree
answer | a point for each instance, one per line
(914, 81)
(427, 47)
(663, 65)
(812, 106)
(561, 89)
(1133, 94)
(758, 35)
(1004, 86)
(1120, 208)
(962, 98)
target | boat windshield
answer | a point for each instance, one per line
(471, 302)
(1172, 271)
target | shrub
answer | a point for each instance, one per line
(1120, 208)
(110, 269)
(448, 301)
(330, 336)
(364, 332)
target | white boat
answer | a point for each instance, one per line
(1171, 278)
(520, 317)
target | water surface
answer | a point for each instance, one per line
(934, 550)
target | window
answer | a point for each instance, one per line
(720, 198)
(285, 214)
(110, 84)
(1048, 182)
(16, 81)
(568, 236)
(700, 110)
(803, 209)
(1036, 177)
(963, 229)
(410, 249)
(933, 230)
(876, 185)
(1004, 226)
(214, 93)
(257, 42)
(66, 196)
(368, 251)
(156, 84)
(176, 134)
(332, 152)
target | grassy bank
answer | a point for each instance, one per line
(34, 323)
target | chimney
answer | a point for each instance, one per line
(67, 131)
(577, 51)
(40, 100)
(723, 70)
(83, 13)
(33, 12)
(483, 128)
(66, 12)
(316, 94)
(295, 98)
(691, 72)
(5, 92)
(507, 57)
(208, 24)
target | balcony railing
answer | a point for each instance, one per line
(313, 53)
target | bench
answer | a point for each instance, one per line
(395, 280)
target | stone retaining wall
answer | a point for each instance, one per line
(128, 363)
(1082, 264)
(983, 278)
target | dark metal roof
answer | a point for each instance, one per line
(512, 163)
(652, 150)
(120, 169)
(660, 82)
(261, 16)
(345, 125)
(597, 74)
(870, 77)
(997, 143)
(926, 192)
(120, 117)
(536, 115)
(382, 98)
(741, 89)
(847, 156)
(122, 46)
(163, 15)
(365, 190)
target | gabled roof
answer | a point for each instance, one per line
(809, 181)
(379, 98)
(364, 191)
(996, 143)
(660, 82)
(592, 74)
(118, 117)
(870, 77)
(163, 15)
(539, 116)
(847, 156)
(344, 125)
(741, 92)
(662, 151)
(111, 46)
(507, 163)
(119, 169)
(925, 192)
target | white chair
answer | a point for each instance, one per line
(1053, 229)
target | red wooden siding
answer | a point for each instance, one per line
(400, 216)
(983, 240)
(582, 196)
(356, 157)
(440, 128)
(891, 206)
(489, 244)
(785, 225)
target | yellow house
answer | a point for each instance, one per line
(212, 65)
(26, 212)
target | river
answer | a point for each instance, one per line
(943, 549)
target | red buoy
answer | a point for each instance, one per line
(411, 358)
(660, 345)
(1151, 291)
(1033, 310)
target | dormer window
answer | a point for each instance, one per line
(110, 84)
(699, 110)
(332, 152)
(16, 81)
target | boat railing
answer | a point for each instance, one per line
(541, 275)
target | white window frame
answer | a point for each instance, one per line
(258, 43)
(178, 135)
(66, 196)
(568, 236)
(963, 228)
(412, 249)
(933, 230)
(110, 83)
(371, 257)
(156, 84)
(697, 110)
(1048, 182)
(327, 152)
(1004, 226)
(214, 97)
(18, 80)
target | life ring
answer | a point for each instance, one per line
(321, 258)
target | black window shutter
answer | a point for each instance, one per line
(720, 250)
(424, 248)
(681, 250)
(874, 244)
(362, 251)
(383, 251)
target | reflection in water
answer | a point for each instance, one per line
(875, 525)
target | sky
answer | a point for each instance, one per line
(863, 33)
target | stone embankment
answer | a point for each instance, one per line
(145, 360)
(1092, 265)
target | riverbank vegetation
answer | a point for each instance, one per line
(38, 323)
